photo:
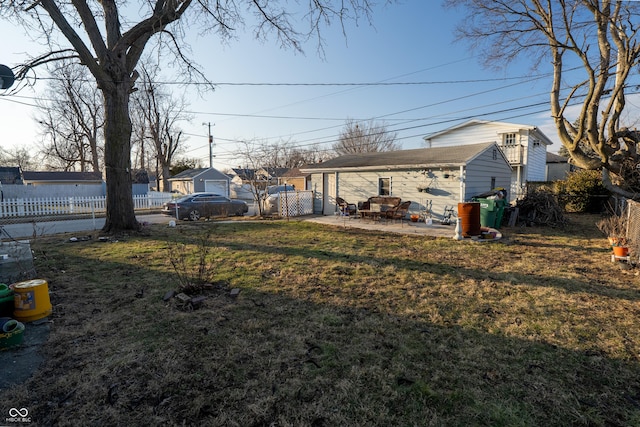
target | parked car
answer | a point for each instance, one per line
(204, 205)
(271, 198)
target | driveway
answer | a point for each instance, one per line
(33, 229)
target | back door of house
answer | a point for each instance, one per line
(329, 194)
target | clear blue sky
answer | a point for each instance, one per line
(407, 43)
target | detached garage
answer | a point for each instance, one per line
(433, 179)
(201, 180)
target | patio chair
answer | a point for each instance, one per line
(398, 212)
(346, 209)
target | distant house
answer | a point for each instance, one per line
(10, 175)
(269, 176)
(524, 146)
(208, 180)
(60, 184)
(139, 182)
(36, 178)
(241, 175)
(296, 178)
(558, 167)
(432, 178)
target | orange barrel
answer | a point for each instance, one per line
(31, 300)
(469, 214)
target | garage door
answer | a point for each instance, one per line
(217, 186)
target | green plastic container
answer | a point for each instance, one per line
(13, 338)
(488, 210)
(500, 205)
(6, 301)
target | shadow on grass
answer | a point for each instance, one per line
(308, 250)
(280, 358)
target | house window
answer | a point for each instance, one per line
(510, 139)
(384, 186)
(493, 182)
(495, 154)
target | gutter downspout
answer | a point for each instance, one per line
(462, 177)
(335, 202)
(458, 229)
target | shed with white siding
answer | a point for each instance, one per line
(432, 178)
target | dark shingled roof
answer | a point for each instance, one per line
(555, 158)
(61, 176)
(10, 175)
(192, 173)
(189, 173)
(420, 157)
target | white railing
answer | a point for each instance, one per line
(513, 153)
(52, 206)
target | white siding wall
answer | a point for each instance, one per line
(536, 170)
(444, 184)
(357, 187)
(533, 165)
(480, 171)
(15, 191)
(473, 134)
(444, 191)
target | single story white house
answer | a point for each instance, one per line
(208, 180)
(432, 178)
(524, 146)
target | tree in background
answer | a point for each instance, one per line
(254, 156)
(156, 115)
(286, 154)
(109, 38)
(593, 47)
(71, 120)
(365, 137)
(183, 164)
(18, 157)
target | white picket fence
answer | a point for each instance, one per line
(53, 206)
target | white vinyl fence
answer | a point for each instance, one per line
(54, 206)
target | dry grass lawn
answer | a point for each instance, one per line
(337, 327)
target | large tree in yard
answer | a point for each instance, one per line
(593, 49)
(109, 37)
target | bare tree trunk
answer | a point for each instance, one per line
(166, 173)
(120, 209)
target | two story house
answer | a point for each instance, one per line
(524, 146)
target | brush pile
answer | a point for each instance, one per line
(540, 207)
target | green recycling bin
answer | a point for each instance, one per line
(491, 212)
(488, 210)
(500, 205)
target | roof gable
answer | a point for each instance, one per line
(194, 173)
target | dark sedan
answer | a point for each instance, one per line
(204, 205)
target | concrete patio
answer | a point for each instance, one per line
(404, 227)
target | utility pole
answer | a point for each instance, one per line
(210, 145)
